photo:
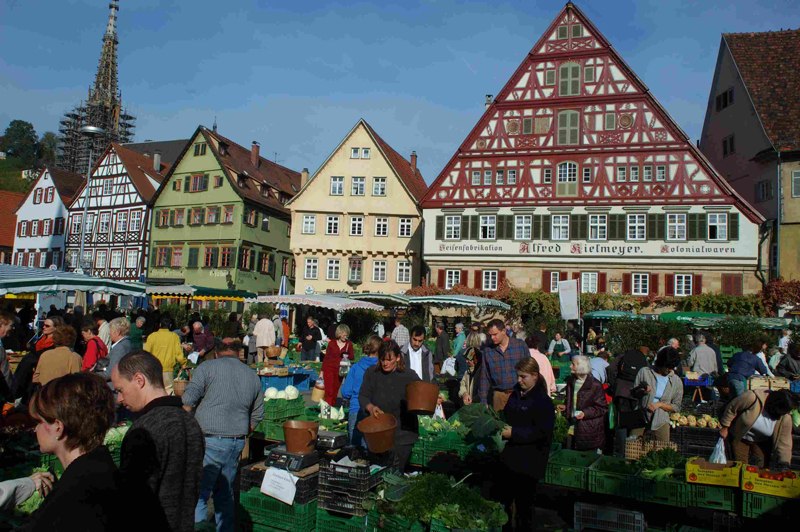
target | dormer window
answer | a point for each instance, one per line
(241, 180)
(223, 148)
(264, 190)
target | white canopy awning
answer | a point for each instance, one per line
(19, 280)
(171, 290)
(457, 300)
(339, 304)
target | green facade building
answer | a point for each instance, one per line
(219, 219)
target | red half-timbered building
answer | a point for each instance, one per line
(576, 171)
(117, 225)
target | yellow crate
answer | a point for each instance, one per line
(779, 383)
(757, 480)
(758, 383)
(701, 471)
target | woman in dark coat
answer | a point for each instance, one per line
(531, 419)
(586, 407)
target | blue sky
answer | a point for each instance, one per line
(297, 75)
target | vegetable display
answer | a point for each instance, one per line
(438, 426)
(662, 464)
(483, 423)
(690, 420)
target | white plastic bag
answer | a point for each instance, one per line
(718, 456)
(449, 367)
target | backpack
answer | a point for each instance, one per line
(632, 361)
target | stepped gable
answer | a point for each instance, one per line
(573, 98)
(769, 64)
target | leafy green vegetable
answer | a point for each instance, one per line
(661, 464)
(561, 428)
(31, 505)
(482, 421)
(612, 465)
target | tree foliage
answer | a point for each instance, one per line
(361, 322)
(48, 145)
(20, 141)
(779, 293)
(750, 305)
(631, 333)
(740, 332)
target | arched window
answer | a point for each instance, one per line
(568, 127)
(568, 172)
(569, 79)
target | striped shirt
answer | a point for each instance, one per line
(497, 371)
(229, 397)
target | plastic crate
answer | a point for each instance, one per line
(447, 445)
(670, 492)
(713, 497)
(417, 454)
(757, 505)
(438, 526)
(392, 523)
(794, 386)
(593, 517)
(275, 381)
(283, 409)
(52, 464)
(272, 430)
(251, 476)
(357, 478)
(342, 501)
(336, 522)
(694, 441)
(260, 509)
(611, 482)
(569, 468)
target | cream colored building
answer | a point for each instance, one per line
(356, 223)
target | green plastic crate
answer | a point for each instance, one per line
(438, 526)
(260, 509)
(52, 463)
(417, 454)
(670, 492)
(713, 497)
(392, 523)
(555, 447)
(608, 482)
(283, 409)
(569, 468)
(272, 430)
(334, 522)
(449, 444)
(756, 505)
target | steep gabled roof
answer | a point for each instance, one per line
(67, 183)
(769, 64)
(139, 168)
(9, 202)
(411, 179)
(169, 149)
(410, 176)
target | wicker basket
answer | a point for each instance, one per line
(635, 449)
(179, 386)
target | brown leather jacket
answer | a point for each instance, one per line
(742, 412)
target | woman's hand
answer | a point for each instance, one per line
(373, 410)
(467, 399)
(723, 433)
(580, 415)
(43, 482)
(506, 434)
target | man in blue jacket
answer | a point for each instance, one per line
(742, 366)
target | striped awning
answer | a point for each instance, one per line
(19, 280)
(337, 303)
(456, 300)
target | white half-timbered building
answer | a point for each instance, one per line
(117, 224)
(575, 171)
(42, 217)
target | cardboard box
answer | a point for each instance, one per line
(779, 383)
(770, 483)
(701, 471)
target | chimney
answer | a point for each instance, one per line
(157, 161)
(254, 154)
(488, 101)
(414, 162)
(303, 177)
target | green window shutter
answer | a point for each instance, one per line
(187, 182)
(473, 228)
(661, 226)
(575, 88)
(464, 227)
(546, 233)
(691, 226)
(440, 228)
(702, 226)
(171, 218)
(214, 257)
(169, 257)
(656, 226)
(617, 227)
(260, 259)
(577, 226)
(537, 227)
(153, 256)
(733, 226)
(583, 231)
(271, 265)
(506, 227)
(205, 182)
(193, 253)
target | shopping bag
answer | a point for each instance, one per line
(449, 367)
(718, 456)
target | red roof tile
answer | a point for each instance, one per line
(139, 167)
(769, 64)
(67, 183)
(9, 201)
(411, 177)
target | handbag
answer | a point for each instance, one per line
(344, 367)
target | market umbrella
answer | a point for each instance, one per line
(19, 279)
(283, 291)
(339, 304)
(458, 300)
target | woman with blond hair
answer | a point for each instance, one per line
(336, 351)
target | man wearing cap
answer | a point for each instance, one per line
(226, 419)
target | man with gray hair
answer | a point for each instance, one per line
(458, 341)
(702, 359)
(118, 330)
(673, 343)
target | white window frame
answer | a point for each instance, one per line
(676, 227)
(116, 259)
(89, 223)
(589, 282)
(378, 186)
(309, 226)
(56, 259)
(32, 260)
(382, 226)
(452, 227)
(640, 284)
(337, 185)
(42, 259)
(567, 172)
(451, 278)
(720, 221)
(661, 172)
(559, 227)
(49, 193)
(404, 227)
(310, 268)
(547, 176)
(355, 153)
(683, 283)
(487, 227)
(379, 271)
(88, 257)
(101, 259)
(523, 227)
(476, 178)
(555, 278)
(122, 222)
(47, 227)
(636, 227)
(108, 187)
(487, 177)
(634, 176)
(75, 227)
(489, 280)
(511, 179)
(365, 153)
(23, 227)
(333, 270)
(136, 221)
(500, 177)
(647, 173)
(403, 272)
(35, 228)
(132, 258)
(796, 183)
(331, 225)
(358, 186)
(104, 222)
(598, 227)
(356, 226)
(587, 174)
(622, 174)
